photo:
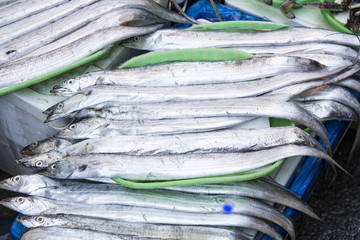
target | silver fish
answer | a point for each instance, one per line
(23, 9)
(170, 39)
(31, 67)
(338, 94)
(185, 73)
(99, 127)
(329, 110)
(44, 146)
(133, 229)
(350, 83)
(41, 160)
(299, 49)
(170, 167)
(67, 190)
(243, 107)
(166, 200)
(26, 25)
(58, 233)
(100, 15)
(225, 141)
(39, 206)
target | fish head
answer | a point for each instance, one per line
(72, 86)
(40, 221)
(42, 146)
(66, 107)
(42, 160)
(27, 183)
(25, 205)
(83, 129)
(136, 42)
(60, 169)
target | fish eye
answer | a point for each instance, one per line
(72, 126)
(17, 178)
(39, 219)
(53, 166)
(60, 105)
(34, 144)
(20, 199)
(39, 163)
(136, 39)
(70, 82)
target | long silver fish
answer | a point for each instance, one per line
(329, 110)
(68, 190)
(170, 167)
(133, 229)
(40, 206)
(170, 39)
(350, 83)
(168, 200)
(23, 9)
(243, 107)
(100, 96)
(44, 146)
(225, 141)
(185, 73)
(59, 233)
(306, 48)
(31, 67)
(26, 25)
(99, 127)
(100, 15)
(341, 95)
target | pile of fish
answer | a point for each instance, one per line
(80, 209)
(169, 122)
(39, 37)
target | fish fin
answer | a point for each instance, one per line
(86, 92)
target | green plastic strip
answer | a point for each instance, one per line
(95, 56)
(338, 26)
(195, 181)
(238, 26)
(186, 55)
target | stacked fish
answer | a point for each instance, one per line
(173, 121)
(79, 210)
(38, 37)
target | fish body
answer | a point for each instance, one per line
(243, 107)
(170, 39)
(170, 167)
(39, 206)
(100, 15)
(225, 141)
(329, 110)
(99, 127)
(133, 229)
(32, 23)
(180, 198)
(58, 233)
(185, 73)
(31, 67)
(22, 9)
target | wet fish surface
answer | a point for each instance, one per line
(169, 167)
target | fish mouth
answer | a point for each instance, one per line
(49, 110)
(28, 152)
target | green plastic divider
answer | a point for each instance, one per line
(238, 26)
(338, 26)
(194, 181)
(95, 56)
(186, 55)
